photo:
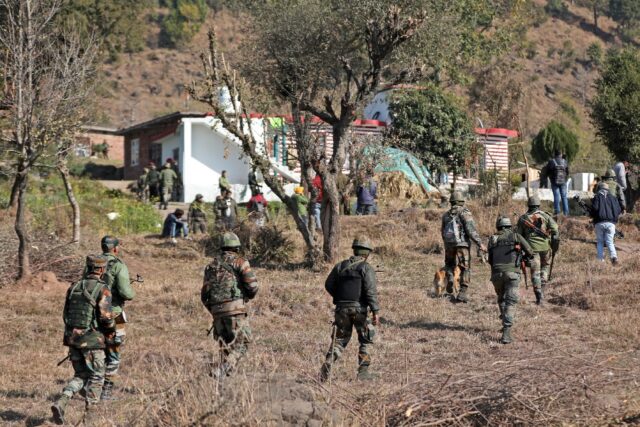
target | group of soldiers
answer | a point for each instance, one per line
(94, 308)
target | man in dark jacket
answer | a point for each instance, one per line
(367, 194)
(174, 225)
(557, 170)
(605, 210)
(352, 284)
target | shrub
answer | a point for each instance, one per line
(556, 8)
(184, 21)
(555, 136)
(594, 54)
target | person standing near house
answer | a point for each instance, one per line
(226, 211)
(605, 211)
(153, 181)
(302, 202)
(317, 195)
(167, 179)
(557, 169)
(367, 194)
(257, 208)
(176, 193)
(253, 182)
(198, 215)
(224, 184)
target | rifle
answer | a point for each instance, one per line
(585, 208)
(64, 360)
(523, 266)
(533, 227)
(211, 328)
(334, 332)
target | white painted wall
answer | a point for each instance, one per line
(378, 108)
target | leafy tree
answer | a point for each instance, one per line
(431, 125)
(616, 106)
(626, 12)
(117, 23)
(555, 136)
(184, 21)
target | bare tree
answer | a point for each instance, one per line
(40, 95)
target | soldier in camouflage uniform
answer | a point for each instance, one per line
(198, 216)
(615, 189)
(116, 276)
(457, 230)
(541, 232)
(352, 284)
(228, 284)
(89, 325)
(507, 249)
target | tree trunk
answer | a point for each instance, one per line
(24, 266)
(330, 217)
(595, 18)
(75, 206)
(13, 200)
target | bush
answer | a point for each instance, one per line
(555, 136)
(184, 21)
(595, 54)
(556, 8)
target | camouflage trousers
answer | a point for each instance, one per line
(198, 225)
(540, 265)
(347, 318)
(506, 286)
(457, 257)
(233, 335)
(113, 354)
(89, 371)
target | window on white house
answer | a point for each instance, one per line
(135, 152)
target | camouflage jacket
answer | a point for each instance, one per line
(466, 218)
(197, 211)
(616, 190)
(341, 286)
(168, 177)
(503, 254)
(116, 277)
(219, 285)
(92, 338)
(543, 221)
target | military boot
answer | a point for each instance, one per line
(364, 374)
(107, 390)
(57, 409)
(462, 295)
(91, 416)
(506, 335)
(325, 372)
(539, 296)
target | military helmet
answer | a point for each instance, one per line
(96, 261)
(609, 174)
(108, 243)
(362, 242)
(533, 201)
(456, 197)
(503, 222)
(230, 241)
(199, 196)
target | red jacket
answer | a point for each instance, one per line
(317, 183)
(258, 198)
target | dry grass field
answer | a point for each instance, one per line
(575, 361)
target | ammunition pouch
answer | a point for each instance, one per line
(228, 308)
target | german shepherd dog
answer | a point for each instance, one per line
(440, 282)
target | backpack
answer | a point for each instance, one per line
(453, 233)
(349, 281)
(559, 172)
(81, 303)
(108, 277)
(220, 283)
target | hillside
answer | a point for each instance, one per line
(552, 70)
(574, 361)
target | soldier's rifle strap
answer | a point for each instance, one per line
(350, 265)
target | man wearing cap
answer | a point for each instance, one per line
(507, 250)
(198, 215)
(224, 184)
(458, 229)
(228, 284)
(89, 327)
(353, 286)
(116, 276)
(174, 225)
(541, 232)
(605, 211)
(168, 178)
(615, 189)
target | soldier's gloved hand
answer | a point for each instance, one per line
(110, 338)
(374, 319)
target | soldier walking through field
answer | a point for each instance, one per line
(352, 284)
(541, 232)
(198, 215)
(116, 277)
(228, 284)
(458, 230)
(89, 328)
(168, 178)
(507, 251)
